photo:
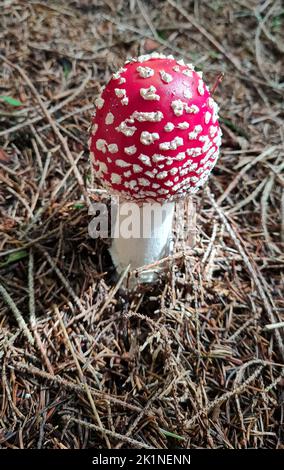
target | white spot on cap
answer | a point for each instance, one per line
(122, 163)
(187, 72)
(176, 68)
(145, 72)
(210, 102)
(109, 118)
(112, 148)
(178, 107)
(169, 127)
(194, 179)
(192, 109)
(99, 102)
(193, 135)
(125, 129)
(208, 154)
(215, 112)
(145, 159)
(172, 145)
(207, 146)
(137, 168)
(149, 93)
(187, 94)
(148, 138)
(180, 62)
(102, 168)
(116, 75)
(193, 167)
(184, 171)
(166, 77)
(215, 155)
(209, 165)
(158, 158)
(101, 145)
(173, 171)
(200, 87)
(180, 156)
(212, 130)
(183, 125)
(130, 150)
(154, 116)
(143, 182)
(130, 184)
(207, 117)
(115, 178)
(194, 152)
(127, 174)
(94, 129)
(162, 175)
(120, 92)
(153, 55)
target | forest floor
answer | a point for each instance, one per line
(196, 359)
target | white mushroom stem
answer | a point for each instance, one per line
(142, 236)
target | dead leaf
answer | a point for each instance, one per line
(150, 45)
(4, 157)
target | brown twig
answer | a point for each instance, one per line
(115, 435)
(18, 316)
(82, 377)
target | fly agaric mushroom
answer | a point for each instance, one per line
(155, 139)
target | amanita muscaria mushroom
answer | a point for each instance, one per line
(155, 139)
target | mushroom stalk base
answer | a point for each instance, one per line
(142, 236)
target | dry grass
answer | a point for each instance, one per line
(190, 361)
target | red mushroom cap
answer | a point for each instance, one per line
(155, 133)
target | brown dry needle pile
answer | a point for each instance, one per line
(197, 359)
